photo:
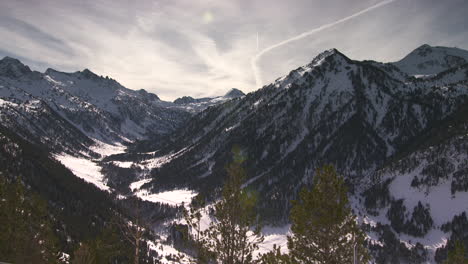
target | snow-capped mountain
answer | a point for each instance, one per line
(199, 104)
(362, 117)
(429, 61)
(97, 106)
(71, 110)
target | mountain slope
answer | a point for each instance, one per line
(334, 110)
(99, 107)
(427, 60)
(196, 105)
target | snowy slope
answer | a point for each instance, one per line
(197, 105)
(75, 114)
(427, 60)
(98, 106)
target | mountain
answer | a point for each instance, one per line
(366, 118)
(98, 107)
(427, 60)
(234, 93)
(82, 117)
(196, 105)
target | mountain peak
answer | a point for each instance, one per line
(150, 96)
(423, 50)
(11, 60)
(50, 71)
(424, 46)
(234, 93)
(89, 74)
(327, 55)
(11, 67)
(429, 60)
(184, 100)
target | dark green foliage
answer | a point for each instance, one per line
(460, 181)
(421, 221)
(78, 205)
(397, 215)
(393, 250)
(79, 210)
(431, 175)
(377, 196)
(109, 247)
(227, 237)
(418, 224)
(457, 255)
(275, 257)
(323, 226)
(26, 233)
(458, 228)
(197, 240)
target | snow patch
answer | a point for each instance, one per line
(137, 185)
(84, 169)
(174, 197)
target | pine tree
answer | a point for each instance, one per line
(85, 254)
(324, 230)
(275, 257)
(109, 247)
(192, 217)
(231, 236)
(457, 255)
(26, 234)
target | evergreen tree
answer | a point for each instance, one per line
(26, 234)
(275, 257)
(192, 217)
(85, 254)
(324, 230)
(109, 247)
(230, 236)
(457, 255)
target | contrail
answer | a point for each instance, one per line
(254, 60)
(257, 42)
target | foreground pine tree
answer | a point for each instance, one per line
(231, 237)
(457, 255)
(324, 230)
(26, 232)
(193, 217)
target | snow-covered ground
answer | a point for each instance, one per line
(167, 253)
(274, 236)
(174, 197)
(107, 149)
(85, 169)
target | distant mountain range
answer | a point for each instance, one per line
(81, 106)
(396, 131)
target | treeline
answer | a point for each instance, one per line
(26, 229)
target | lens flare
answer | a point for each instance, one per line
(207, 17)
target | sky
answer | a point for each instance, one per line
(205, 47)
